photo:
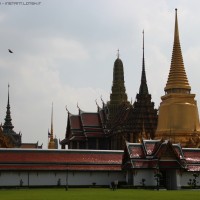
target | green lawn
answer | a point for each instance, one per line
(97, 194)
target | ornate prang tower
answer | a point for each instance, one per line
(178, 118)
(52, 144)
(144, 114)
(118, 95)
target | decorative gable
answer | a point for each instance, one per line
(168, 153)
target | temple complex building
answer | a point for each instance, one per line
(122, 142)
(178, 119)
(117, 121)
(138, 121)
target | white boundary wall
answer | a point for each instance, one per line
(55, 178)
(148, 175)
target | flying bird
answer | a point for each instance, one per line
(10, 51)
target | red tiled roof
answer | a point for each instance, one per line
(193, 168)
(136, 151)
(192, 155)
(75, 121)
(90, 119)
(62, 167)
(152, 154)
(60, 159)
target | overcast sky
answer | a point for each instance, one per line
(64, 53)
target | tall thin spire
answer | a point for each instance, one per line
(177, 79)
(52, 122)
(8, 120)
(118, 53)
(52, 144)
(143, 85)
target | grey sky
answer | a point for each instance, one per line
(64, 52)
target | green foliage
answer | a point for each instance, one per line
(97, 194)
(193, 182)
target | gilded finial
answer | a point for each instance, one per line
(118, 53)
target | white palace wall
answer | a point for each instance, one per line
(56, 178)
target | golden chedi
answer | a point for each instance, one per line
(178, 119)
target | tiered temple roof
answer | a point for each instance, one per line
(159, 154)
(84, 129)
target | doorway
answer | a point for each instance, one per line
(168, 179)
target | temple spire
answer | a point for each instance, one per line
(143, 85)
(52, 144)
(177, 79)
(118, 94)
(8, 120)
(178, 118)
(52, 122)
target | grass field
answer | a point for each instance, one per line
(97, 194)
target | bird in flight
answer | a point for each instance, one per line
(10, 51)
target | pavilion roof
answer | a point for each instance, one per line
(160, 154)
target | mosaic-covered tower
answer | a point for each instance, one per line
(118, 95)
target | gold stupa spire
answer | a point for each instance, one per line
(177, 79)
(51, 141)
(178, 118)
